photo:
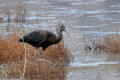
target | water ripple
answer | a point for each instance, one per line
(91, 64)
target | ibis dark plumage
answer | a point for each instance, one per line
(43, 38)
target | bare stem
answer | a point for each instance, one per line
(25, 57)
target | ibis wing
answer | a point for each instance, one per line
(34, 37)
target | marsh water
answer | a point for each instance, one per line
(89, 19)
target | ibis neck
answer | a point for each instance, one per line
(59, 36)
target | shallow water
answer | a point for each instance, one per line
(91, 19)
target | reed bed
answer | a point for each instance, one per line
(52, 67)
(110, 43)
(15, 14)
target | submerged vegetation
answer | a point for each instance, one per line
(56, 58)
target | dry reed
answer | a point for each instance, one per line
(109, 43)
(112, 43)
(15, 14)
(20, 14)
(56, 58)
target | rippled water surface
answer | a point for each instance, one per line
(83, 18)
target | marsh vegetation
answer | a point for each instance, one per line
(56, 59)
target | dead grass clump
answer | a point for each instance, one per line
(58, 54)
(112, 43)
(3, 48)
(40, 70)
(56, 58)
(11, 48)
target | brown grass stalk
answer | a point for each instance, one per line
(25, 57)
